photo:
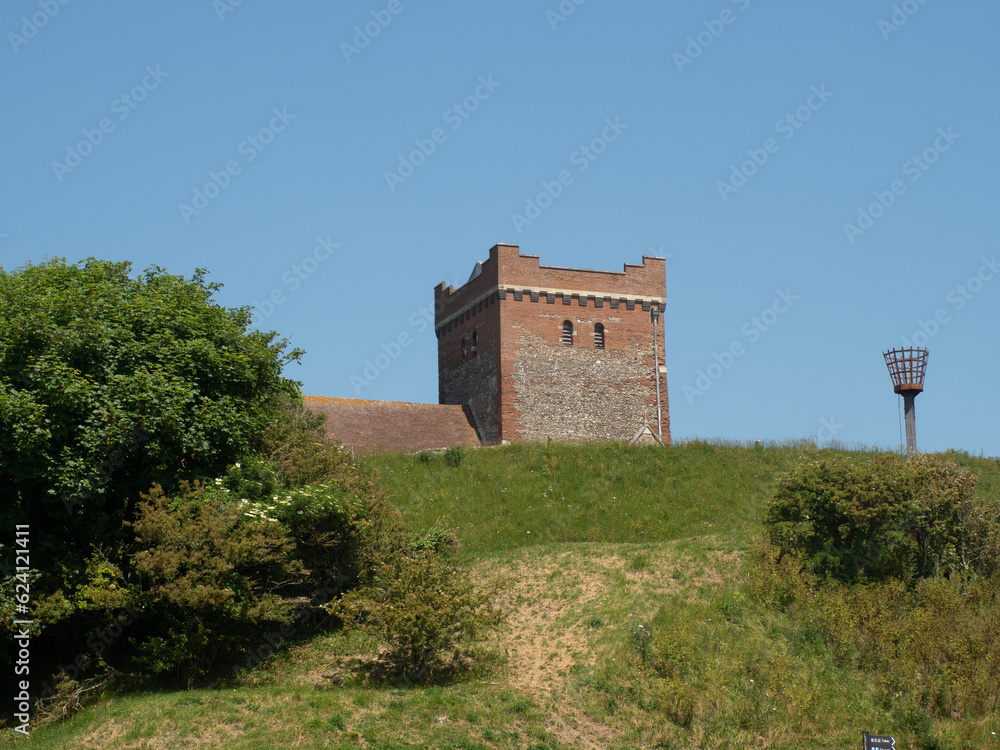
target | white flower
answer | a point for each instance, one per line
(236, 465)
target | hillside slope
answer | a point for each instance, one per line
(630, 626)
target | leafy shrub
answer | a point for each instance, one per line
(296, 445)
(438, 539)
(335, 534)
(453, 456)
(845, 519)
(253, 478)
(425, 608)
(875, 519)
(955, 531)
(892, 564)
(209, 574)
(932, 647)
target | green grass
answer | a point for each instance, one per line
(630, 627)
(521, 495)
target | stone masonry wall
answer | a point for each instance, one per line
(473, 380)
(580, 392)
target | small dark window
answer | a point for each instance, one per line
(567, 337)
(599, 336)
(475, 348)
(463, 348)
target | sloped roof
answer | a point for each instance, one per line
(369, 426)
(646, 436)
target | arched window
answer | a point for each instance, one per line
(463, 348)
(567, 337)
(598, 335)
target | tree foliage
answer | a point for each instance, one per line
(855, 520)
(111, 383)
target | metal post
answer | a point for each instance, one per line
(655, 315)
(911, 424)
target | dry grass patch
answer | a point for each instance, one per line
(570, 606)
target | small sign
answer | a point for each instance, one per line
(878, 742)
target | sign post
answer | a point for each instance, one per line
(878, 742)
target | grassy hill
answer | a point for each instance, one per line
(630, 625)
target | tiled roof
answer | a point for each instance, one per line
(368, 426)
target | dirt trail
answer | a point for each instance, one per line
(550, 630)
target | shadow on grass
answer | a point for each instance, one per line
(379, 671)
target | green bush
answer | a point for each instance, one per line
(209, 574)
(453, 456)
(427, 611)
(253, 478)
(296, 445)
(892, 565)
(437, 539)
(854, 520)
(932, 646)
(335, 534)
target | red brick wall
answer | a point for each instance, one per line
(524, 384)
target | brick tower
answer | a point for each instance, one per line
(541, 352)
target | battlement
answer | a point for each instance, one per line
(506, 271)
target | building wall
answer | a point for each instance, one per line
(524, 383)
(471, 313)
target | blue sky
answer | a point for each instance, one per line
(822, 178)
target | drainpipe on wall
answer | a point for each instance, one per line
(654, 314)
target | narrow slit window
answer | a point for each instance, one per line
(567, 337)
(599, 336)
(463, 348)
(475, 348)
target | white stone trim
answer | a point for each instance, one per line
(661, 302)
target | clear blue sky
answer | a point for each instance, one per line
(746, 136)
